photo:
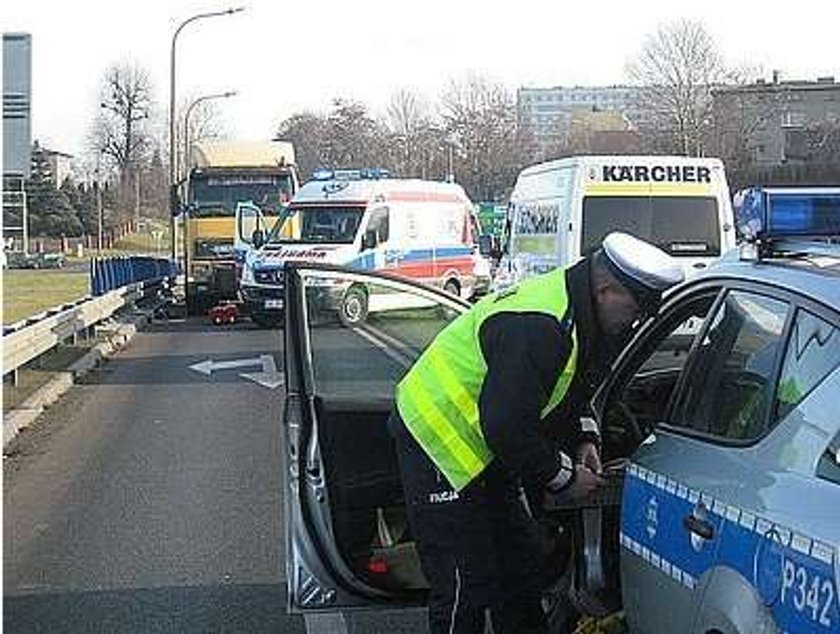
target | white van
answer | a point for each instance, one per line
(423, 230)
(561, 210)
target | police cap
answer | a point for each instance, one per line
(643, 269)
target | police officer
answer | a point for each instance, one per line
(474, 417)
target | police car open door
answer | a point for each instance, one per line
(347, 540)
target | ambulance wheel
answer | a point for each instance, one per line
(354, 306)
(452, 287)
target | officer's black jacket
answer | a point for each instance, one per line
(525, 353)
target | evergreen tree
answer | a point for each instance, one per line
(50, 211)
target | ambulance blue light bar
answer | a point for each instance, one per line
(368, 173)
(766, 214)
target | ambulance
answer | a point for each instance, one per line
(561, 210)
(423, 230)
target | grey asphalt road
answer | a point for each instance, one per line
(148, 498)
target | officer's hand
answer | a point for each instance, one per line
(583, 484)
(588, 456)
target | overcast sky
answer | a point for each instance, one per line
(284, 56)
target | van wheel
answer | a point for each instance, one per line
(452, 287)
(354, 306)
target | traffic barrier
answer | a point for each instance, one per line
(107, 274)
(114, 282)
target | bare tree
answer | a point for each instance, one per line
(354, 138)
(307, 131)
(479, 118)
(676, 70)
(409, 123)
(122, 130)
(126, 103)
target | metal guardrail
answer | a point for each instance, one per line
(22, 344)
(115, 282)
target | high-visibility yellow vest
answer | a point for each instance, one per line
(438, 398)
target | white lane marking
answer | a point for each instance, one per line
(392, 354)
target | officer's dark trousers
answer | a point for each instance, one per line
(478, 548)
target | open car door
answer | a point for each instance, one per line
(347, 540)
(249, 218)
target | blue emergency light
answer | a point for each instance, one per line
(367, 173)
(767, 214)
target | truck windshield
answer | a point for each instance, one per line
(217, 195)
(322, 223)
(680, 225)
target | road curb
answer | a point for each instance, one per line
(117, 336)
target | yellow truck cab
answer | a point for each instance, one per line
(223, 174)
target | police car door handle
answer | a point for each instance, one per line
(699, 527)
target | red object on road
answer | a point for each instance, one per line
(224, 314)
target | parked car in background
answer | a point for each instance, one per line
(21, 260)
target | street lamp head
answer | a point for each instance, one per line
(236, 9)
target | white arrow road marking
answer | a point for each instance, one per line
(269, 377)
(210, 366)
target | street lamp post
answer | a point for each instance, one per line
(202, 99)
(185, 236)
(173, 166)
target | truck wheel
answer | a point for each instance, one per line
(452, 287)
(354, 306)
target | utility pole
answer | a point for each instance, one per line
(99, 215)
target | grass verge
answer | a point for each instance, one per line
(28, 292)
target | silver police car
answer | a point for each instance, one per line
(720, 431)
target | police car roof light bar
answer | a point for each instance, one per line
(789, 220)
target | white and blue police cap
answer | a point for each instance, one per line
(644, 270)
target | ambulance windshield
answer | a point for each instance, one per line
(330, 224)
(680, 225)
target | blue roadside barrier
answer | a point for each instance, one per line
(107, 274)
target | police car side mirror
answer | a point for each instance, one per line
(257, 238)
(369, 239)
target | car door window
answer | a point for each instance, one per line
(813, 352)
(644, 389)
(727, 393)
(365, 335)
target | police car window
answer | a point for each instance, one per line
(654, 374)
(813, 352)
(728, 391)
